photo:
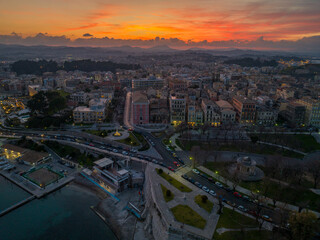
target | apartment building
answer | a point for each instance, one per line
(145, 83)
(140, 108)
(80, 97)
(177, 109)
(245, 109)
(228, 115)
(210, 112)
(312, 113)
(95, 113)
(195, 115)
(266, 116)
(295, 114)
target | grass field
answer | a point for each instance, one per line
(301, 142)
(131, 140)
(287, 194)
(187, 215)
(240, 147)
(232, 219)
(208, 205)
(174, 182)
(164, 192)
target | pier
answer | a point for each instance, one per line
(31, 188)
(19, 204)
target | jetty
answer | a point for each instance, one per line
(19, 204)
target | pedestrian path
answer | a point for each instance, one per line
(284, 147)
(173, 141)
(184, 198)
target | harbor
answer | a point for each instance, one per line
(68, 205)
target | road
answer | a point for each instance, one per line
(233, 199)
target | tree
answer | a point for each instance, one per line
(160, 171)
(204, 198)
(302, 225)
(314, 168)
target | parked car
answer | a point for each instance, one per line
(195, 171)
(212, 193)
(199, 185)
(246, 198)
(228, 189)
(242, 208)
(171, 169)
(184, 176)
(236, 194)
(253, 213)
(210, 179)
(204, 188)
(191, 180)
(177, 164)
(219, 184)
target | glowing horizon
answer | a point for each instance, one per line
(203, 20)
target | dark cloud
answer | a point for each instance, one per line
(306, 44)
(87, 35)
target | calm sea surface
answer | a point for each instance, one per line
(62, 215)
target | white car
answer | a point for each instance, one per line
(195, 171)
(212, 193)
(204, 188)
(219, 184)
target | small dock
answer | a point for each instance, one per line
(19, 204)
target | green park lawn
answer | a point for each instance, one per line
(174, 182)
(131, 140)
(282, 193)
(234, 220)
(165, 196)
(187, 215)
(208, 205)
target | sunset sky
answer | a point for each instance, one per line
(196, 20)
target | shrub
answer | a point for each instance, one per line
(168, 193)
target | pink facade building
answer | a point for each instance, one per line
(140, 108)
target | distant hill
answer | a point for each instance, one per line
(20, 52)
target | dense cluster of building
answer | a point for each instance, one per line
(200, 93)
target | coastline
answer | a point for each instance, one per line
(81, 184)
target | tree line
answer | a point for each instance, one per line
(42, 66)
(250, 62)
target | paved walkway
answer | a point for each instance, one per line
(173, 141)
(284, 147)
(222, 230)
(184, 199)
(249, 193)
